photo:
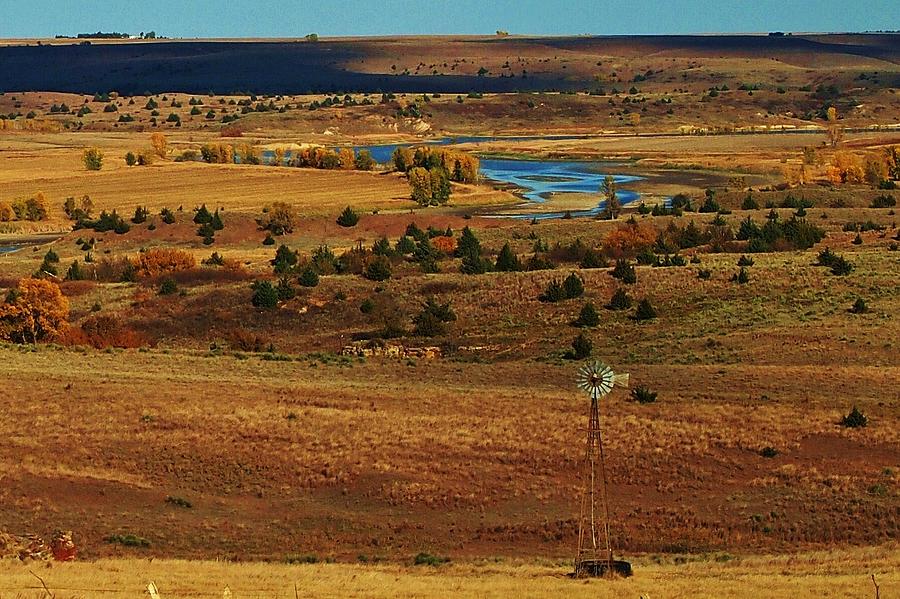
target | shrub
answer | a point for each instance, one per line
(140, 215)
(624, 272)
(749, 204)
(825, 258)
(768, 452)
(840, 266)
(704, 274)
(884, 201)
(168, 287)
(378, 269)
(348, 218)
(278, 218)
(367, 306)
(128, 540)
(573, 286)
(285, 260)
(426, 559)
(507, 261)
(553, 293)
(130, 159)
(285, 290)
(157, 261)
(593, 259)
(741, 277)
(855, 419)
(857, 240)
(264, 295)
(859, 306)
(168, 217)
(309, 277)
(643, 395)
(179, 502)
(93, 159)
(432, 320)
(645, 310)
(269, 240)
(74, 273)
(619, 300)
(744, 261)
(588, 316)
(581, 347)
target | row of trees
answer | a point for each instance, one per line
(35, 208)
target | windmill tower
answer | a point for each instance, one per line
(595, 556)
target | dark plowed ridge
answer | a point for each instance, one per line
(292, 67)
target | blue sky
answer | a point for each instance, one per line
(293, 18)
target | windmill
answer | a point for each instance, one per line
(595, 557)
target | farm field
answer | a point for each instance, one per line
(234, 350)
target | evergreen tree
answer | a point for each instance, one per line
(378, 269)
(309, 277)
(645, 310)
(285, 290)
(405, 245)
(588, 316)
(202, 216)
(74, 273)
(264, 295)
(581, 347)
(553, 293)
(620, 300)
(592, 259)
(285, 260)
(216, 221)
(624, 272)
(573, 286)
(348, 218)
(507, 261)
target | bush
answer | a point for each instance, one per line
(826, 258)
(278, 218)
(507, 261)
(157, 261)
(74, 273)
(553, 293)
(855, 419)
(741, 277)
(168, 287)
(348, 218)
(378, 269)
(264, 295)
(645, 310)
(620, 300)
(593, 259)
(426, 559)
(857, 240)
(168, 217)
(768, 452)
(744, 261)
(581, 347)
(285, 290)
(840, 266)
(130, 159)
(749, 204)
(269, 240)
(859, 306)
(367, 306)
(704, 274)
(588, 316)
(93, 159)
(309, 277)
(643, 395)
(432, 320)
(573, 286)
(884, 201)
(285, 260)
(624, 272)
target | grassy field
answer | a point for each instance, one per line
(845, 574)
(206, 428)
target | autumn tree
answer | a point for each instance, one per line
(159, 144)
(36, 310)
(834, 132)
(157, 261)
(613, 205)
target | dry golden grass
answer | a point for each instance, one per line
(842, 573)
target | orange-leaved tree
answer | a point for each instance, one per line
(36, 310)
(159, 143)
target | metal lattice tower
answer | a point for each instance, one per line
(594, 544)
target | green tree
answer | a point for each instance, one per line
(285, 260)
(378, 269)
(507, 260)
(309, 277)
(93, 159)
(264, 294)
(573, 286)
(348, 218)
(620, 300)
(588, 316)
(581, 347)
